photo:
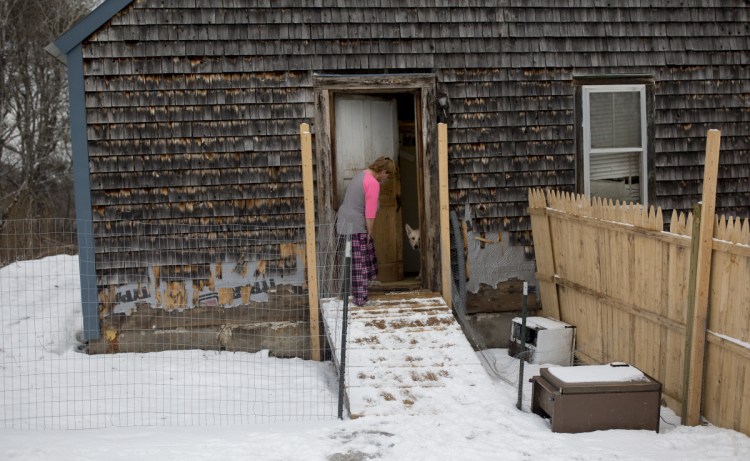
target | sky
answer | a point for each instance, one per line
(59, 404)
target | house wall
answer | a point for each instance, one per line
(194, 108)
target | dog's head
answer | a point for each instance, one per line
(413, 236)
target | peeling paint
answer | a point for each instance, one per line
(491, 263)
(231, 284)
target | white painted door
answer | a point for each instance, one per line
(366, 128)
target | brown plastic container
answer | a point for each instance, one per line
(594, 406)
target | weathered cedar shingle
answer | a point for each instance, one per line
(169, 82)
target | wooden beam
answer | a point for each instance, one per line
(722, 246)
(697, 347)
(676, 239)
(311, 262)
(629, 308)
(734, 347)
(445, 239)
(373, 82)
(690, 311)
(326, 171)
(428, 176)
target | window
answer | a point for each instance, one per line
(615, 140)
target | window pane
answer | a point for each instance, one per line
(615, 119)
(616, 176)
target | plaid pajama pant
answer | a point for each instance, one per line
(364, 267)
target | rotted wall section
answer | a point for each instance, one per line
(245, 305)
(228, 285)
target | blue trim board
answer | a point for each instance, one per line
(67, 48)
(61, 47)
(82, 192)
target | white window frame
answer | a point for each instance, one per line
(587, 150)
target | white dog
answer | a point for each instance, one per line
(413, 236)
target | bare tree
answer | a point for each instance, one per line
(34, 133)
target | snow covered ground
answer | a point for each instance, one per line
(38, 361)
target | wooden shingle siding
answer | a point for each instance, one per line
(698, 53)
(194, 106)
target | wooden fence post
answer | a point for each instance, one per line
(695, 231)
(311, 262)
(445, 238)
(697, 346)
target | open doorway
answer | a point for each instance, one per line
(366, 126)
(408, 163)
(412, 123)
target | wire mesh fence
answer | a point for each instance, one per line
(334, 270)
(192, 324)
(499, 364)
(195, 325)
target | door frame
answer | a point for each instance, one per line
(326, 86)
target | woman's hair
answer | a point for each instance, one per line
(383, 163)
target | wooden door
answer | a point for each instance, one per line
(366, 128)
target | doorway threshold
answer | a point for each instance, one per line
(407, 284)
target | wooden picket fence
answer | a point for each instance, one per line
(611, 270)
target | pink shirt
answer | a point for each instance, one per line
(372, 192)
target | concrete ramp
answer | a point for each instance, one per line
(406, 354)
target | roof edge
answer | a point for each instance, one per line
(81, 30)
